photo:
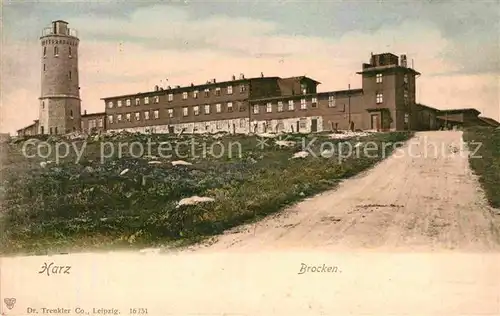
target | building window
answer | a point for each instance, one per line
(405, 79)
(156, 99)
(119, 117)
(184, 95)
(303, 88)
(380, 98)
(110, 119)
(230, 106)
(50, 131)
(128, 102)
(242, 123)
(196, 110)
(331, 101)
(119, 103)
(44, 67)
(241, 106)
(137, 116)
(170, 112)
(269, 107)
(314, 102)
(229, 89)
(110, 104)
(185, 111)
(207, 93)
(243, 88)
(56, 51)
(217, 92)
(170, 97)
(290, 105)
(303, 104)
(45, 51)
(378, 78)
(55, 130)
(218, 107)
(218, 124)
(70, 52)
(207, 109)
(303, 123)
(71, 114)
(280, 106)
(137, 101)
(256, 109)
(195, 94)
(43, 105)
(146, 115)
(156, 114)
(128, 117)
(146, 100)
(101, 122)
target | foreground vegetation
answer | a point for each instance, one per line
(487, 167)
(95, 203)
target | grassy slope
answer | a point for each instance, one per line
(89, 204)
(487, 167)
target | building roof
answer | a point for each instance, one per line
(489, 121)
(62, 21)
(93, 114)
(207, 85)
(427, 107)
(459, 110)
(298, 96)
(387, 67)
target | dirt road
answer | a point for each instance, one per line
(422, 198)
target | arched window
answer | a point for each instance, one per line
(56, 51)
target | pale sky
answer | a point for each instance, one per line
(129, 47)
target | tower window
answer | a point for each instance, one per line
(45, 51)
(56, 51)
(380, 98)
(43, 105)
(70, 51)
(71, 113)
(70, 75)
(44, 67)
(406, 78)
(378, 78)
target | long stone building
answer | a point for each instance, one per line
(386, 101)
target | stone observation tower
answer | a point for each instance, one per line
(60, 95)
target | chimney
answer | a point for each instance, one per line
(234, 77)
(262, 75)
(84, 112)
(242, 76)
(192, 84)
(177, 86)
(169, 87)
(157, 88)
(213, 80)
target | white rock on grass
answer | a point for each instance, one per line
(300, 154)
(267, 135)
(181, 162)
(194, 200)
(43, 164)
(327, 153)
(124, 172)
(285, 143)
(154, 162)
